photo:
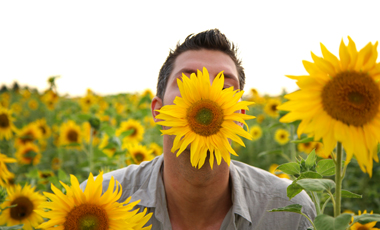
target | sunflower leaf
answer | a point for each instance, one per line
(311, 159)
(348, 194)
(316, 185)
(310, 175)
(304, 140)
(290, 208)
(291, 168)
(326, 167)
(277, 151)
(126, 133)
(293, 189)
(326, 222)
(366, 218)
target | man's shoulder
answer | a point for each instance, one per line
(132, 176)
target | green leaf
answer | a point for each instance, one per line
(325, 222)
(310, 174)
(84, 117)
(62, 176)
(316, 185)
(348, 194)
(293, 189)
(290, 208)
(12, 227)
(126, 133)
(305, 140)
(326, 167)
(291, 168)
(110, 131)
(366, 218)
(311, 159)
(33, 173)
(277, 151)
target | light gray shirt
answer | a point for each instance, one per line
(254, 191)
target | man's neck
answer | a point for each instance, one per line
(196, 198)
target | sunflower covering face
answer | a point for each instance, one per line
(205, 116)
(339, 101)
(91, 209)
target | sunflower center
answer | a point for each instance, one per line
(139, 157)
(352, 98)
(134, 133)
(362, 228)
(274, 108)
(43, 130)
(205, 117)
(4, 121)
(23, 209)
(28, 137)
(72, 136)
(87, 217)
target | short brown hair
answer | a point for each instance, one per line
(211, 40)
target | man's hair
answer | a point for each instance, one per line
(211, 40)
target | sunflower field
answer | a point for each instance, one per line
(50, 141)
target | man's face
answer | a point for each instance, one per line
(193, 60)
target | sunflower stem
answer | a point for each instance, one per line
(293, 152)
(338, 179)
(90, 151)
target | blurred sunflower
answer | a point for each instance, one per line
(5, 175)
(106, 148)
(56, 163)
(139, 153)
(273, 169)
(137, 131)
(91, 209)
(33, 104)
(16, 107)
(6, 124)
(28, 153)
(260, 118)
(27, 201)
(256, 132)
(156, 149)
(149, 122)
(70, 133)
(25, 93)
(45, 129)
(86, 127)
(281, 136)
(204, 116)
(306, 147)
(271, 107)
(28, 134)
(50, 98)
(44, 176)
(368, 226)
(339, 102)
(87, 101)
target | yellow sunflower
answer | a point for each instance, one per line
(70, 133)
(50, 98)
(157, 150)
(5, 175)
(306, 147)
(87, 101)
(104, 142)
(367, 226)
(281, 136)
(44, 176)
(28, 134)
(256, 132)
(205, 116)
(16, 108)
(86, 127)
(137, 133)
(45, 129)
(56, 163)
(33, 104)
(139, 153)
(271, 107)
(260, 118)
(6, 124)
(339, 101)
(91, 209)
(28, 154)
(273, 169)
(27, 201)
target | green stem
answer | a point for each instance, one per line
(90, 152)
(332, 198)
(309, 220)
(324, 205)
(316, 202)
(338, 179)
(293, 152)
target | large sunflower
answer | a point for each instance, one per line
(5, 175)
(70, 133)
(206, 117)
(6, 124)
(339, 101)
(91, 209)
(27, 201)
(139, 153)
(137, 131)
(28, 134)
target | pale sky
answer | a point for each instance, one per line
(119, 46)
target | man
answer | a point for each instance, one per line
(227, 197)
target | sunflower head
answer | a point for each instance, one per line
(33, 104)
(91, 208)
(271, 107)
(6, 124)
(339, 101)
(27, 201)
(70, 133)
(28, 154)
(139, 153)
(256, 132)
(28, 134)
(45, 129)
(134, 127)
(205, 116)
(281, 136)
(5, 175)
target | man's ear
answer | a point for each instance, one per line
(156, 105)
